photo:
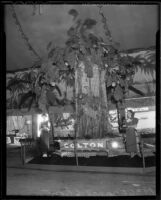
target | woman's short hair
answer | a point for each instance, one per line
(132, 113)
(44, 115)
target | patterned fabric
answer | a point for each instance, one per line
(44, 140)
(133, 123)
(131, 142)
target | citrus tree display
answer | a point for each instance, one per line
(96, 71)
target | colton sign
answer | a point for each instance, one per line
(92, 147)
(83, 145)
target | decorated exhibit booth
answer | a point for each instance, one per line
(27, 126)
(112, 144)
(90, 91)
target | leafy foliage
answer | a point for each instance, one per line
(28, 96)
(16, 84)
(82, 45)
(89, 23)
(60, 121)
(73, 12)
(105, 26)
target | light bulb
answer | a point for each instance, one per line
(114, 145)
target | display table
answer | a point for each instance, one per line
(26, 144)
(26, 141)
(13, 139)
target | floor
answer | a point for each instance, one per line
(28, 182)
(36, 182)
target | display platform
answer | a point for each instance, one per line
(117, 161)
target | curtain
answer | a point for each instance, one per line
(17, 123)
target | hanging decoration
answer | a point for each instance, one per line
(105, 26)
(24, 37)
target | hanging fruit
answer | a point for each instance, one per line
(106, 65)
(66, 64)
(113, 84)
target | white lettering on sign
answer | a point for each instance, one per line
(66, 145)
(112, 112)
(100, 145)
(92, 145)
(138, 109)
(79, 146)
(85, 145)
(72, 145)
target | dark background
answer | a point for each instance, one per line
(133, 26)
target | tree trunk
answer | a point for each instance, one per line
(92, 108)
(77, 117)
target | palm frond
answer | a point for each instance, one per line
(29, 76)
(15, 83)
(25, 97)
(136, 91)
(24, 75)
(31, 102)
(58, 89)
(146, 63)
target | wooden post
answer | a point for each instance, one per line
(142, 152)
(23, 153)
(75, 149)
(76, 110)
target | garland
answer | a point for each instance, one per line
(105, 26)
(17, 22)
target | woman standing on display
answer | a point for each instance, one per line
(44, 135)
(132, 136)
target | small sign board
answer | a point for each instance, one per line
(83, 145)
(93, 147)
